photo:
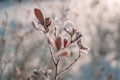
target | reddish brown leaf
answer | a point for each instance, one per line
(47, 22)
(58, 43)
(63, 54)
(39, 15)
(65, 42)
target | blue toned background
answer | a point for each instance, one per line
(23, 49)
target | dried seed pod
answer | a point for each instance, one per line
(58, 43)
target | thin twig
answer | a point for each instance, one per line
(53, 57)
(69, 65)
(56, 63)
(38, 29)
(56, 70)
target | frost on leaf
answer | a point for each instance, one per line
(58, 43)
(47, 22)
(63, 54)
(65, 42)
(44, 22)
(39, 15)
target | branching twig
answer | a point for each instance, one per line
(56, 70)
(56, 63)
(75, 37)
(69, 65)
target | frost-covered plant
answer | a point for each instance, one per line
(59, 46)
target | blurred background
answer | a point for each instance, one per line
(23, 49)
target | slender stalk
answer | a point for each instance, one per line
(56, 63)
(69, 65)
(53, 56)
(56, 70)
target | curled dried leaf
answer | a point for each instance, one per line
(39, 15)
(58, 43)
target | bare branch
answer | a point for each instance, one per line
(56, 63)
(56, 69)
(70, 64)
(53, 57)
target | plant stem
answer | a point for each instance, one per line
(56, 69)
(56, 63)
(53, 57)
(70, 65)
